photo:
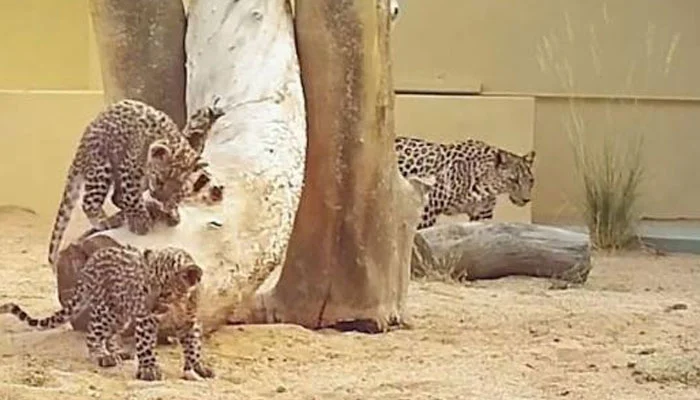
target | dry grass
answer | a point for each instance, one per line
(426, 267)
(610, 179)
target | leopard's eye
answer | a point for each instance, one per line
(200, 182)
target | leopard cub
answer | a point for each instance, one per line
(132, 148)
(121, 286)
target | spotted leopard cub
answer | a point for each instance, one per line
(122, 285)
(468, 176)
(200, 187)
(131, 147)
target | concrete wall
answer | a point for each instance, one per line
(590, 53)
(50, 87)
(40, 131)
(501, 70)
(42, 45)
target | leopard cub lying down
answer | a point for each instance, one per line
(123, 286)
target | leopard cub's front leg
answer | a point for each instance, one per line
(191, 342)
(160, 212)
(171, 214)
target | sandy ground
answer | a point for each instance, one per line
(630, 333)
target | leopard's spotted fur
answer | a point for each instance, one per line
(468, 176)
(131, 147)
(122, 285)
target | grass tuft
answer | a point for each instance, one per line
(610, 176)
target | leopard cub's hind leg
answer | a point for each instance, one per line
(98, 178)
(146, 335)
(116, 347)
(99, 330)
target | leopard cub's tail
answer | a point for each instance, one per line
(71, 194)
(60, 317)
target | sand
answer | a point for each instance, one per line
(631, 332)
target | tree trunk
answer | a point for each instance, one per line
(486, 250)
(243, 51)
(142, 54)
(347, 264)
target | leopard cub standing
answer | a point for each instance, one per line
(123, 286)
(131, 147)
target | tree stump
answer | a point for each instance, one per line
(142, 52)
(256, 150)
(347, 263)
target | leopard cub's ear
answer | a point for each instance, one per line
(529, 158)
(502, 158)
(148, 255)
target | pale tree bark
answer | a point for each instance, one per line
(488, 250)
(347, 264)
(243, 51)
(142, 54)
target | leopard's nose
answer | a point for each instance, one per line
(217, 193)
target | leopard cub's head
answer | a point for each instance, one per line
(170, 164)
(176, 272)
(513, 173)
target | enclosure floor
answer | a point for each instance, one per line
(614, 338)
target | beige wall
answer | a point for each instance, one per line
(44, 44)
(40, 130)
(504, 45)
(556, 49)
(49, 89)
